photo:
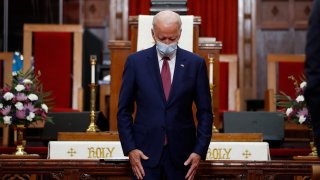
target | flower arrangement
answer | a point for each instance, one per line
(295, 109)
(24, 102)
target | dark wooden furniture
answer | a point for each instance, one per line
(6, 59)
(88, 136)
(99, 169)
(237, 137)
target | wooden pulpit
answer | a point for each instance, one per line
(6, 58)
(119, 51)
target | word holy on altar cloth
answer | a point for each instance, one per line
(100, 152)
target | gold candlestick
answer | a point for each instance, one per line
(92, 127)
(212, 85)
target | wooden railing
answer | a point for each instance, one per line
(99, 169)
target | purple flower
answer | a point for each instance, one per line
(21, 114)
(21, 97)
(303, 112)
(22, 101)
(28, 87)
(6, 110)
(30, 108)
(43, 115)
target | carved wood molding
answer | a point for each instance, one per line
(113, 169)
(283, 14)
(96, 13)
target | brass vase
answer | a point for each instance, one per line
(20, 139)
(314, 151)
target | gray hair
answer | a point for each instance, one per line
(167, 16)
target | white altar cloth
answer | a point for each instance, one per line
(85, 150)
(112, 150)
(258, 151)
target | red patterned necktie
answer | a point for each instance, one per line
(166, 76)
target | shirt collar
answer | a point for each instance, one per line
(172, 56)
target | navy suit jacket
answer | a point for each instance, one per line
(155, 117)
(312, 70)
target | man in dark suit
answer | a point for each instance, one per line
(312, 71)
(162, 83)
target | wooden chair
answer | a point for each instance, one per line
(229, 90)
(6, 58)
(280, 66)
(59, 74)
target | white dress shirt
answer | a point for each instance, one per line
(171, 63)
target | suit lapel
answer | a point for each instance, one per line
(178, 75)
(155, 71)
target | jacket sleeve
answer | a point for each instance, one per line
(204, 111)
(312, 70)
(126, 107)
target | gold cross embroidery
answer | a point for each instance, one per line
(246, 154)
(71, 152)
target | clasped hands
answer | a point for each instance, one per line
(136, 155)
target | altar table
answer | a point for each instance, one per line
(258, 151)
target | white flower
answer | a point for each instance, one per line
(7, 120)
(303, 84)
(302, 119)
(1, 105)
(32, 97)
(30, 116)
(300, 98)
(20, 87)
(19, 105)
(289, 111)
(44, 107)
(27, 81)
(8, 96)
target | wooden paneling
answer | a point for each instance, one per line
(274, 14)
(237, 137)
(302, 10)
(281, 29)
(119, 50)
(283, 14)
(96, 13)
(115, 169)
(246, 50)
(118, 19)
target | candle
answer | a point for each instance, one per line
(93, 60)
(211, 73)
(92, 74)
(211, 61)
